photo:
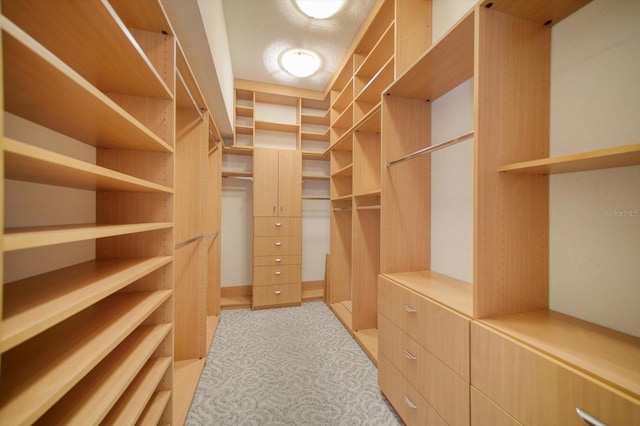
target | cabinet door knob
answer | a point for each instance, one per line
(409, 403)
(278, 244)
(278, 272)
(278, 224)
(277, 292)
(410, 309)
(278, 260)
(409, 355)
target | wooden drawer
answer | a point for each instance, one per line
(406, 400)
(276, 246)
(287, 259)
(276, 226)
(280, 274)
(277, 295)
(537, 389)
(440, 386)
(443, 332)
(485, 412)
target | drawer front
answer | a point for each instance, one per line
(276, 226)
(536, 389)
(440, 386)
(441, 331)
(406, 400)
(280, 274)
(485, 412)
(287, 259)
(276, 246)
(274, 295)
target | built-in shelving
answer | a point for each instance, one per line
(154, 409)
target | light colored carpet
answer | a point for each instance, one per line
(288, 366)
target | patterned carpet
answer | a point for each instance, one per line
(287, 366)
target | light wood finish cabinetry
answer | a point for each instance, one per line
(379, 53)
(277, 227)
(528, 365)
(95, 341)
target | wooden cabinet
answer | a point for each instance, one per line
(277, 227)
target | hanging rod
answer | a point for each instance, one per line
(212, 236)
(193, 101)
(238, 177)
(342, 209)
(429, 149)
(368, 208)
(189, 241)
(316, 198)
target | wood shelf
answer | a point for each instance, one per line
(91, 39)
(238, 150)
(25, 238)
(48, 92)
(452, 293)
(315, 177)
(315, 136)
(368, 341)
(277, 127)
(32, 164)
(344, 98)
(155, 408)
(444, 66)
(372, 91)
(36, 374)
(343, 313)
(370, 123)
(609, 355)
(321, 120)
(345, 119)
(379, 55)
(186, 376)
(244, 130)
(542, 11)
(244, 111)
(345, 171)
(621, 156)
(236, 174)
(132, 403)
(94, 396)
(146, 16)
(35, 304)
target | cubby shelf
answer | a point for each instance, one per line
(379, 55)
(34, 304)
(322, 120)
(373, 87)
(92, 398)
(61, 356)
(345, 171)
(154, 409)
(277, 127)
(316, 136)
(48, 92)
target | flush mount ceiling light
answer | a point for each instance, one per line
(299, 62)
(319, 9)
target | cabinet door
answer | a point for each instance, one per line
(265, 182)
(290, 183)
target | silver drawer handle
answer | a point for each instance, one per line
(278, 244)
(589, 419)
(278, 224)
(278, 260)
(277, 292)
(409, 355)
(410, 309)
(278, 272)
(409, 403)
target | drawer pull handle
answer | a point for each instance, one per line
(410, 309)
(277, 292)
(278, 260)
(588, 418)
(278, 272)
(278, 224)
(278, 244)
(409, 355)
(409, 403)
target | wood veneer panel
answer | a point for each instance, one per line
(486, 412)
(34, 304)
(39, 372)
(154, 409)
(265, 182)
(541, 11)
(92, 398)
(48, 92)
(186, 377)
(366, 163)
(413, 32)
(147, 15)
(340, 249)
(290, 183)
(365, 268)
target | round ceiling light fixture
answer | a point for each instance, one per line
(300, 62)
(319, 9)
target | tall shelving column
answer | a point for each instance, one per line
(99, 332)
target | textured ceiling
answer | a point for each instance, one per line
(260, 30)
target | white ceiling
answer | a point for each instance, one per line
(260, 30)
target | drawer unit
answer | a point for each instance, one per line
(407, 401)
(276, 246)
(280, 274)
(537, 389)
(276, 295)
(440, 330)
(446, 391)
(485, 412)
(276, 226)
(287, 259)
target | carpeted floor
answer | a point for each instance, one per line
(287, 366)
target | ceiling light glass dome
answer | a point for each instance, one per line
(300, 63)
(319, 9)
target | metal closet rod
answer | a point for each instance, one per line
(429, 149)
(316, 198)
(212, 236)
(189, 241)
(238, 177)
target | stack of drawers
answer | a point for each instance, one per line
(277, 261)
(423, 359)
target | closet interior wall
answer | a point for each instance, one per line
(99, 121)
